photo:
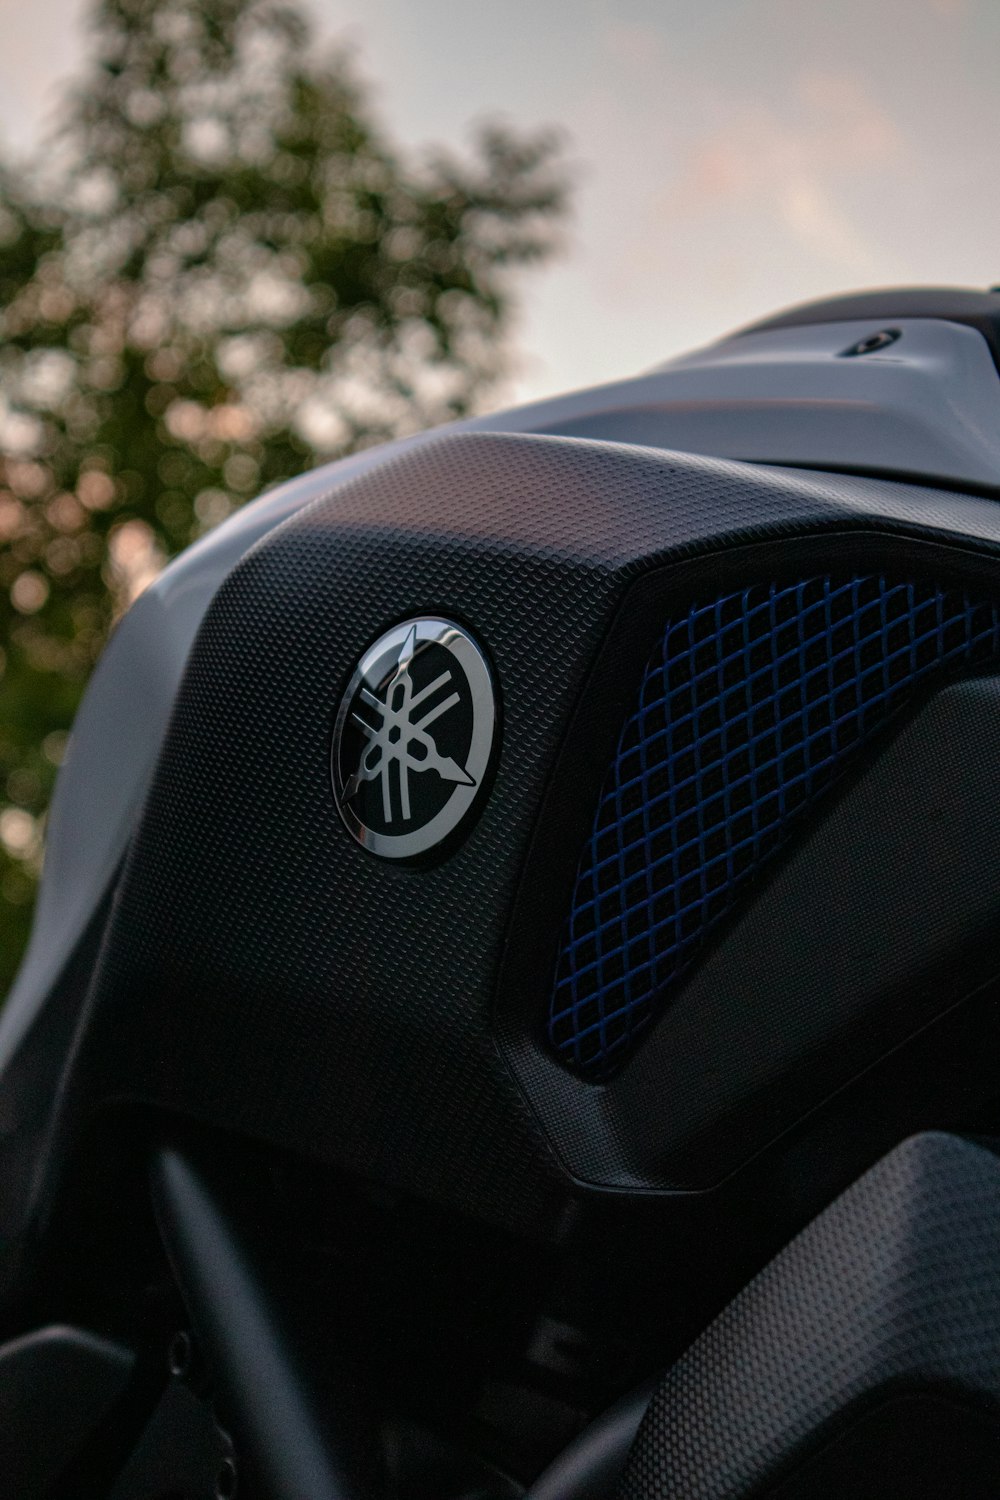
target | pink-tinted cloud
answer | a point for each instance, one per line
(731, 157)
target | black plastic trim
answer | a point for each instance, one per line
(630, 1138)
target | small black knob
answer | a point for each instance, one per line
(872, 343)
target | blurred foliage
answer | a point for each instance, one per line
(222, 273)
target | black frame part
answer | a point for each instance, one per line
(290, 1449)
(591, 1466)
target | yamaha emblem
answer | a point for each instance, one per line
(414, 738)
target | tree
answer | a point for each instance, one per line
(224, 274)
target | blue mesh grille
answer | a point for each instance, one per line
(751, 707)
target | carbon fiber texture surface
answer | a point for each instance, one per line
(264, 973)
(895, 1286)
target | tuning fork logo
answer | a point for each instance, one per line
(401, 736)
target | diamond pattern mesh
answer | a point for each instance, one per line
(751, 707)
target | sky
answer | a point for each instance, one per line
(730, 156)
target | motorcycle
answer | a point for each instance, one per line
(512, 1005)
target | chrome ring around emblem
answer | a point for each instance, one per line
(413, 738)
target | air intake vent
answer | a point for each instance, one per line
(750, 709)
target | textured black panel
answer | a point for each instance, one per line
(895, 1286)
(262, 971)
(885, 914)
(882, 915)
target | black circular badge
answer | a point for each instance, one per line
(413, 738)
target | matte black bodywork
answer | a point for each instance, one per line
(217, 961)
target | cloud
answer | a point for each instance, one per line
(793, 161)
(820, 225)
